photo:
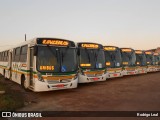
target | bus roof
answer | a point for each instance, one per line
(32, 42)
(156, 54)
(127, 49)
(148, 51)
(89, 45)
(110, 48)
(139, 51)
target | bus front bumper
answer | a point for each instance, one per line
(141, 71)
(125, 72)
(86, 79)
(151, 69)
(44, 86)
(114, 75)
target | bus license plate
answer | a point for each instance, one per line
(95, 79)
(115, 75)
(60, 85)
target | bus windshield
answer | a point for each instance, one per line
(129, 58)
(113, 58)
(56, 59)
(141, 59)
(158, 59)
(68, 59)
(149, 58)
(92, 58)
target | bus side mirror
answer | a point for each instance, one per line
(35, 50)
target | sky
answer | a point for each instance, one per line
(122, 23)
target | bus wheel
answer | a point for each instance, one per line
(23, 82)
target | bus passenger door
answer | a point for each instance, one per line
(31, 65)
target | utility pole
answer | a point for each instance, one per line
(25, 37)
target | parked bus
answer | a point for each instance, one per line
(150, 61)
(157, 61)
(141, 62)
(113, 61)
(91, 62)
(41, 64)
(128, 61)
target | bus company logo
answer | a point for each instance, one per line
(89, 45)
(55, 42)
(6, 114)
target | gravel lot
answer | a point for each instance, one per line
(129, 93)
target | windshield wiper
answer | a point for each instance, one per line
(128, 56)
(96, 55)
(113, 59)
(64, 54)
(53, 52)
(88, 55)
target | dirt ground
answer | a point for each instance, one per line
(129, 93)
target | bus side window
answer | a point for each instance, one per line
(0, 56)
(13, 55)
(23, 55)
(17, 54)
(7, 55)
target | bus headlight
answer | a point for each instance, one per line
(40, 78)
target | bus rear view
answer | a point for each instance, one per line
(128, 61)
(91, 62)
(113, 61)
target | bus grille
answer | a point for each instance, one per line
(58, 81)
(93, 75)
